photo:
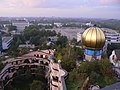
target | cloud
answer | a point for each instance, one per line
(21, 3)
(96, 12)
(46, 3)
(110, 2)
(56, 3)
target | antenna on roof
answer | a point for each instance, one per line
(94, 25)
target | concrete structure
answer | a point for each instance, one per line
(53, 39)
(115, 86)
(6, 42)
(104, 49)
(20, 24)
(89, 24)
(69, 32)
(94, 87)
(58, 24)
(79, 36)
(45, 24)
(115, 58)
(112, 37)
(93, 40)
(0, 42)
(55, 74)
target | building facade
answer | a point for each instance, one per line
(79, 36)
(112, 37)
(6, 42)
(20, 24)
(0, 42)
(54, 72)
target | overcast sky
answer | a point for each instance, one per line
(61, 8)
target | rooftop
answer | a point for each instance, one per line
(93, 38)
(115, 86)
(26, 46)
(6, 39)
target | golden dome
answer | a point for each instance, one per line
(93, 38)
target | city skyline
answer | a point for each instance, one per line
(108, 9)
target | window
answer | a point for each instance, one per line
(26, 61)
(55, 78)
(16, 62)
(37, 56)
(92, 52)
(41, 62)
(113, 57)
(46, 64)
(41, 56)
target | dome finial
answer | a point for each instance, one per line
(95, 25)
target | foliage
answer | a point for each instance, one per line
(37, 85)
(23, 51)
(99, 72)
(34, 35)
(113, 24)
(68, 55)
(25, 80)
(62, 41)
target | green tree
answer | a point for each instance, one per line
(99, 72)
(37, 85)
(62, 41)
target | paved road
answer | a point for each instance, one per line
(69, 32)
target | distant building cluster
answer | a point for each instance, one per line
(58, 24)
(20, 24)
(89, 24)
(45, 24)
